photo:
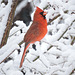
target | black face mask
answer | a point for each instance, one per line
(43, 15)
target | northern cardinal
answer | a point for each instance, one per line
(37, 30)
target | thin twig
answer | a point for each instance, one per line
(72, 42)
(7, 56)
(3, 71)
(72, 71)
(16, 32)
(36, 58)
(56, 17)
(21, 42)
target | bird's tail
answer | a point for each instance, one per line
(22, 59)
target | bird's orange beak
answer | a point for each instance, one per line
(44, 13)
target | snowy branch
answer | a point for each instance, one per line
(9, 23)
(63, 34)
(56, 17)
(55, 55)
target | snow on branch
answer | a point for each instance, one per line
(9, 23)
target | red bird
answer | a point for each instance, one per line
(37, 30)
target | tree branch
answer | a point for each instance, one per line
(72, 42)
(56, 17)
(9, 23)
(62, 34)
(7, 56)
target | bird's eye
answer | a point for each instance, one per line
(42, 13)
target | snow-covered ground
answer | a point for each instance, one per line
(57, 60)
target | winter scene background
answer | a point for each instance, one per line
(54, 54)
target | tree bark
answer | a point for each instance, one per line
(9, 23)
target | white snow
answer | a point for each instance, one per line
(59, 59)
(4, 13)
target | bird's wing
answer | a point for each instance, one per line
(32, 33)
